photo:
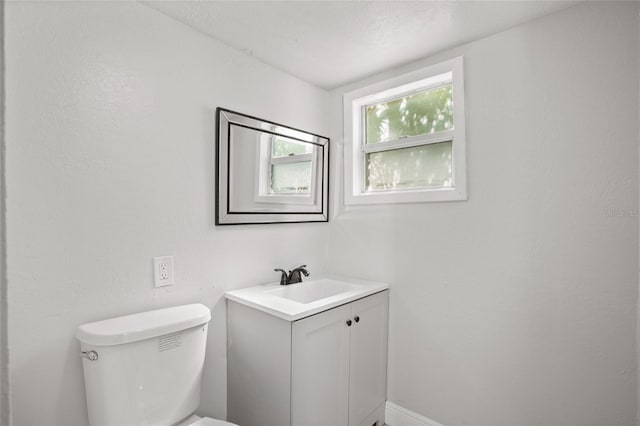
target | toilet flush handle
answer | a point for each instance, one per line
(90, 355)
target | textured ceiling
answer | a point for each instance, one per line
(331, 43)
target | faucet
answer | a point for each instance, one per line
(294, 276)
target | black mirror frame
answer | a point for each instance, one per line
(223, 216)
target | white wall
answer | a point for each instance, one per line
(518, 306)
(110, 138)
(4, 374)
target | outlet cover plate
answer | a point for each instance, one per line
(163, 271)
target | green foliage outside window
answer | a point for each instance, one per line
(417, 114)
(284, 147)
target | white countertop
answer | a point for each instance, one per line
(273, 299)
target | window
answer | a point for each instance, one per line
(405, 138)
(290, 166)
(287, 171)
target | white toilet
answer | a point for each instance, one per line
(146, 368)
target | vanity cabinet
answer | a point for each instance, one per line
(327, 369)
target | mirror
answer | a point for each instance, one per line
(268, 172)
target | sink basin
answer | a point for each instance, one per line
(297, 301)
(308, 292)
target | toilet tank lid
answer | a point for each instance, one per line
(144, 325)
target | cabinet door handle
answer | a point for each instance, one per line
(348, 323)
(357, 319)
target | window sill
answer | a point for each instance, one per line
(407, 196)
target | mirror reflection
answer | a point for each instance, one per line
(269, 173)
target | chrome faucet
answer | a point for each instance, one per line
(294, 276)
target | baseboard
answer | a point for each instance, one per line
(395, 415)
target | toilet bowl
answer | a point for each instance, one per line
(146, 368)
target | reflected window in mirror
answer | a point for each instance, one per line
(287, 170)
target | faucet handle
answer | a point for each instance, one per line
(302, 269)
(283, 276)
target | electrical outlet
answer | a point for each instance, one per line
(163, 270)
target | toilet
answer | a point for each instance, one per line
(146, 368)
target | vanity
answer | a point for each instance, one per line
(308, 354)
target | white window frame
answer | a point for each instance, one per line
(263, 190)
(355, 149)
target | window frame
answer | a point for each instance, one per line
(266, 161)
(355, 148)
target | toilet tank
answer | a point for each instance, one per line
(146, 368)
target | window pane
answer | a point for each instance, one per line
(424, 166)
(421, 113)
(284, 147)
(291, 178)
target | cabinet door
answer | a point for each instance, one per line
(368, 372)
(320, 369)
